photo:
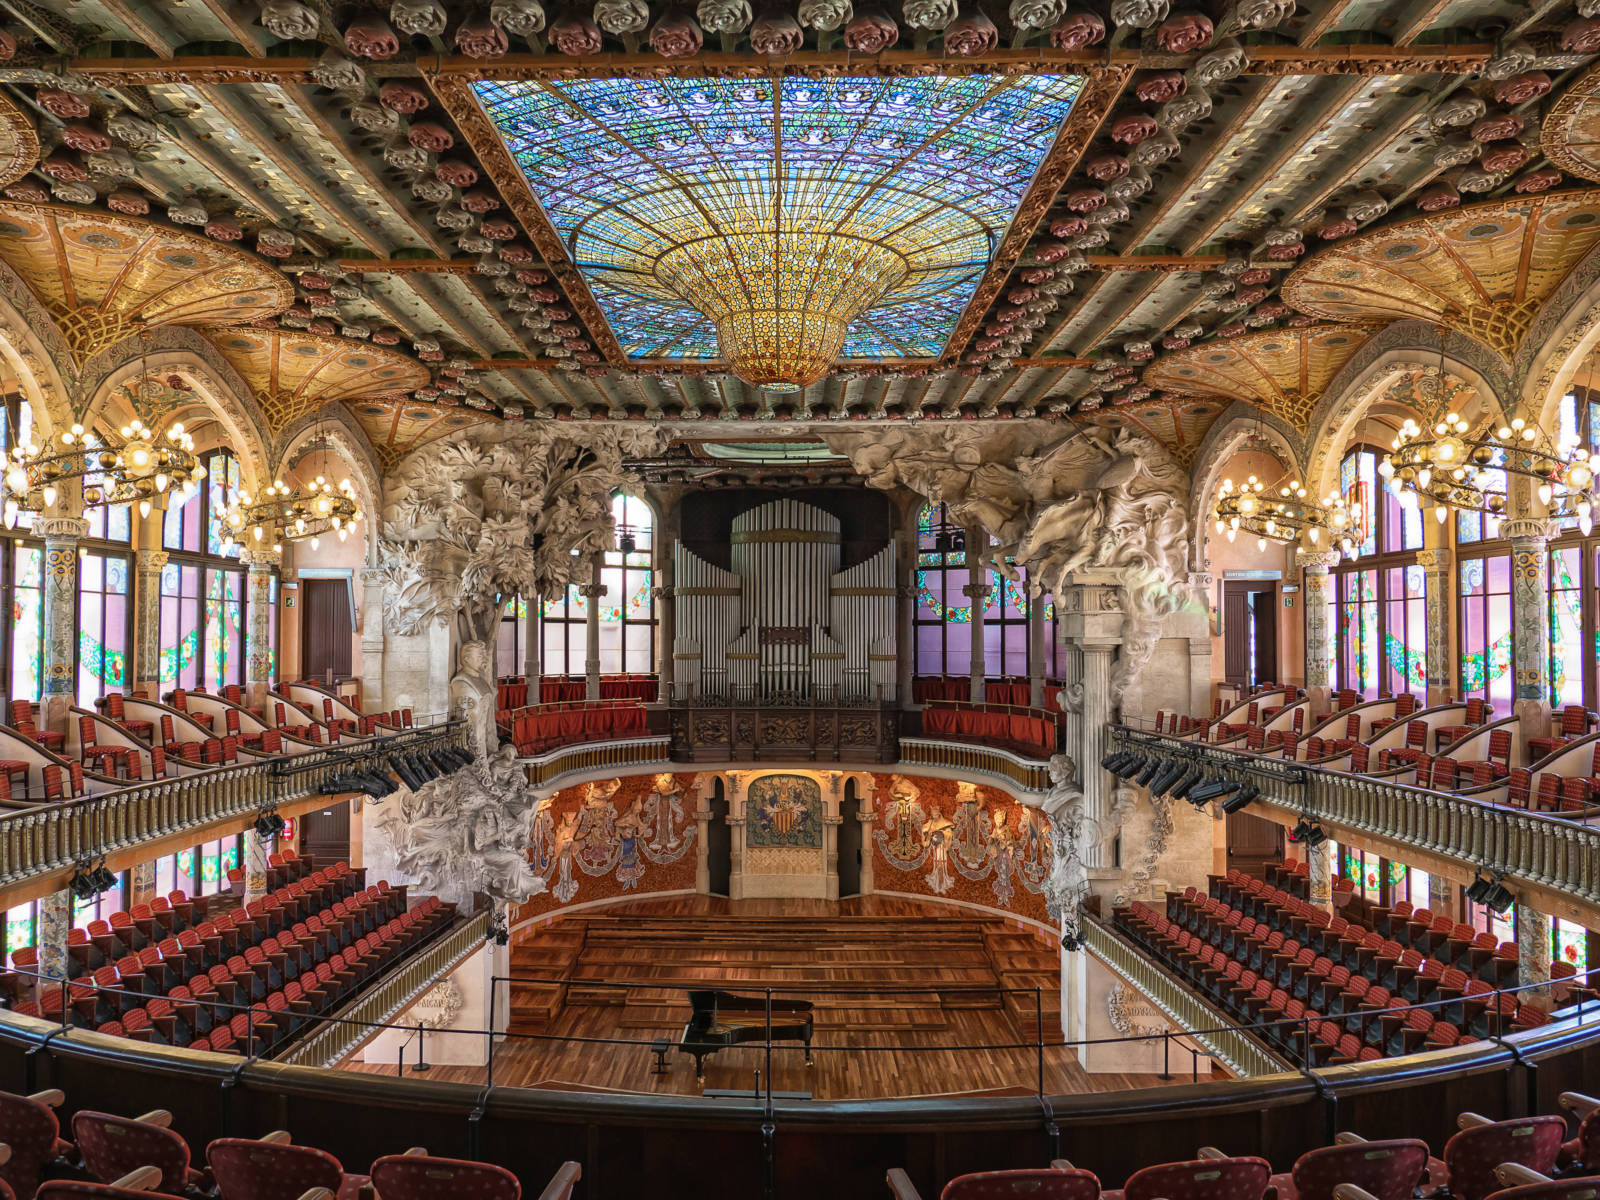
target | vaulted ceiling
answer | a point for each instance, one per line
(385, 205)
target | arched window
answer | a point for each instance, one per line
(202, 588)
(627, 610)
(23, 568)
(1379, 634)
(1574, 642)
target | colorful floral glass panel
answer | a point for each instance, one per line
(102, 626)
(27, 622)
(1485, 630)
(1566, 626)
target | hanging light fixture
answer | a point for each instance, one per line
(285, 514)
(133, 469)
(1284, 513)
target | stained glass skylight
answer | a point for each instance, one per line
(921, 175)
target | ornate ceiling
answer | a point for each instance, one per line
(1094, 197)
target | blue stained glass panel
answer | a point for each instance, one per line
(933, 166)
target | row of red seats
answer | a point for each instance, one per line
(612, 687)
(926, 689)
(535, 731)
(511, 692)
(1485, 1160)
(130, 1158)
(1546, 791)
(1024, 732)
(144, 954)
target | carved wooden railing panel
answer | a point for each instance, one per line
(55, 836)
(724, 733)
(1535, 850)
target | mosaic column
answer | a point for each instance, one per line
(147, 568)
(258, 639)
(257, 850)
(55, 922)
(592, 592)
(1435, 563)
(142, 883)
(1320, 872)
(1530, 622)
(1533, 954)
(1441, 897)
(61, 536)
(372, 640)
(1038, 631)
(1319, 688)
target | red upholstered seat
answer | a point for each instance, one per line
(30, 1128)
(1471, 1156)
(1197, 1179)
(71, 1189)
(113, 1146)
(1023, 1185)
(420, 1177)
(1580, 1188)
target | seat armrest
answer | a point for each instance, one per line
(1348, 1139)
(1577, 1102)
(1350, 1191)
(140, 1179)
(278, 1137)
(51, 1097)
(900, 1184)
(1471, 1120)
(1515, 1174)
(156, 1116)
(1209, 1152)
(561, 1183)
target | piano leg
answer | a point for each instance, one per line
(808, 1046)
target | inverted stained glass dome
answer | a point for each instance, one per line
(736, 219)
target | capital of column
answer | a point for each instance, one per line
(150, 560)
(1202, 581)
(1436, 558)
(61, 529)
(374, 575)
(1319, 562)
(1527, 529)
(977, 591)
(260, 560)
(661, 593)
(591, 591)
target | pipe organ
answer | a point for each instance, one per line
(785, 625)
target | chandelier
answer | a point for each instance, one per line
(135, 470)
(1287, 516)
(286, 515)
(781, 299)
(1448, 467)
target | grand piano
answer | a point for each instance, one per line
(722, 1019)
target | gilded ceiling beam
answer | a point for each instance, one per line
(1264, 60)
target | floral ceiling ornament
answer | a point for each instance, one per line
(521, 18)
(1514, 58)
(723, 16)
(290, 20)
(1223, 62)
(419, 18)
(1139, 14)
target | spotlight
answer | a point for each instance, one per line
(1165, 778)
(1130, 768)
(1145, 776)
(1214, 790)
(1308, 833)
(81, 887)
(1182, 788)
(269, 824)
(1478, 889)
(1239, 799)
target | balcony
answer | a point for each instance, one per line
(1553, 860)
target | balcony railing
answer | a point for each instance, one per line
(977, 760)
(56, 836)
(1531, 849)
(1237, 1049)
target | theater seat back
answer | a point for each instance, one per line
(1023, 1185)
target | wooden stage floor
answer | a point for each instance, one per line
(866, 1046)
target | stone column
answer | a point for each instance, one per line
(867, 814)
(831, 820)
(1319, 687)
(698, 794)
(592, 592)
(1321, 876)
(905, 610)
(977, 593)
(147, 568)
(61, 536)
(1530, 622)
(258, 606)
(1533, 954)
(1099, 785)
(372, 640)
(55, 922)
(1436, 563)
(533, 648)
(1441, 899)
(1038, 631)
(257, 850)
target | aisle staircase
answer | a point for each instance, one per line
(659, 957)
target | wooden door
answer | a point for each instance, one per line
(325, 834)
(1236, 632)
(1264, 606)
(719, 843)
(326, 626)
(849, 857)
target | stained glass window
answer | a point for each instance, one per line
(222, 485)
(1405, 638)
(1475, 527)
(103, 615)
(180, 528)
(508, 645)
(27, 621)
(1569, 943)
(627, 610)
(112, 524)
(1485, 630)
(180, 626)
(1358, 631)
(1358, 483)
(943, 619)
(224, 632)
(628, 170)
(1377, 636)
(20, 925)
(1566, 626)
(16, 427)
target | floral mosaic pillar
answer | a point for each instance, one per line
(55, 922)
(1320, 871)
(142, 883)
(147, 568)
(1441, 895)
(977, 592)
(1533, 954)
(1530, 622)
(1435, 563)
(592, 592)
(258, 602)
(1318, 592)
(257, 850)
(61, 536)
